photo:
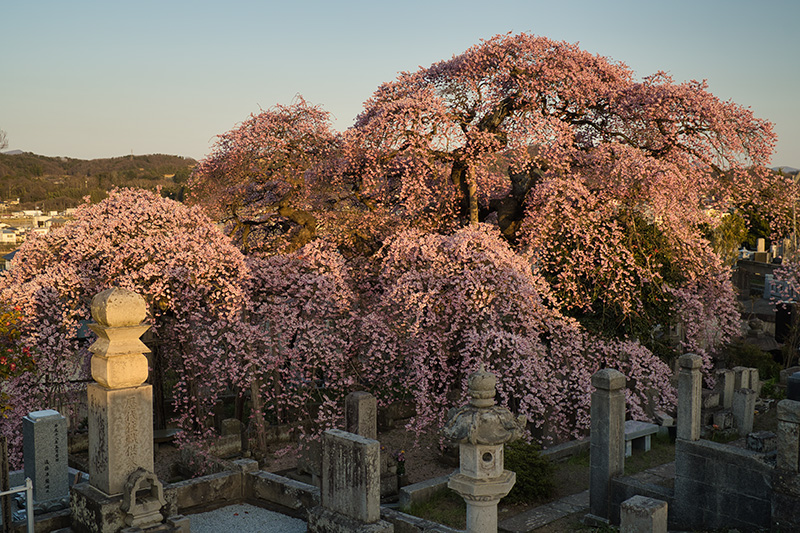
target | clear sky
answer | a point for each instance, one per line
(106, 78)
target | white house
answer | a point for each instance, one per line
(8, 236)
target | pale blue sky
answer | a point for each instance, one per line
(106, 78)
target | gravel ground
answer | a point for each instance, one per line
(244, 518)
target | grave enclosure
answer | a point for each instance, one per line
(716, 485)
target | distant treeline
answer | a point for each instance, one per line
(56, 183)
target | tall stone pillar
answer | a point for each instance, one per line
(120, 404)
(689, 397)
(607, 440)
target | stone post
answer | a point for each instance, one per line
(481, 430)
(725, 384)
(607, 440)
(755, 381)
(5, 484)
(44, 450)
(643, 515)
(361, 414)
(744, 407)
(689, 397)
(350, 493)
(741, 378)
(120, 404)
(793, 387)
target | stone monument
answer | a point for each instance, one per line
(481, 429)
(120, 404)
(122, 489)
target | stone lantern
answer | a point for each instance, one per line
(481, 429)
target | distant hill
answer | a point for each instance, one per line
(55, 183)
(786, 170)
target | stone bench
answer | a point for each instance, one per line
(637, 435)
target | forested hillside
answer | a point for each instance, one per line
(55, 183)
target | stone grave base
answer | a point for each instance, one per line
(321, 520)
(95, 511)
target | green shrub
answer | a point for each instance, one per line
(444, 507)
(534, 472)
(770, 390)
(747, 355)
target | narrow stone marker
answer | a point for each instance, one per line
(744, 407)
(361, 414)
(44, 451)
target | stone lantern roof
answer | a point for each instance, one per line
(482, 422)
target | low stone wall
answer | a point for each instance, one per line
(404, 523)
(718, 486)
(624, 488)
(562, 452)
(45, 523)
(785, 501)
(278, 490)
(422, 491)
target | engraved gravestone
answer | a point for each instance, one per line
(350, 492)
(44, 452)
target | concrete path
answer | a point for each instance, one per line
(533, 519)
(537, 517)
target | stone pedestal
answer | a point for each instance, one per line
(120, 434)
(643, 515)
(482, 497)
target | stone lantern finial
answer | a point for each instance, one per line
(482, 388)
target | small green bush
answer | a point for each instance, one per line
(444, 507)
(771, 390)
(747, 355)
(534, 472)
